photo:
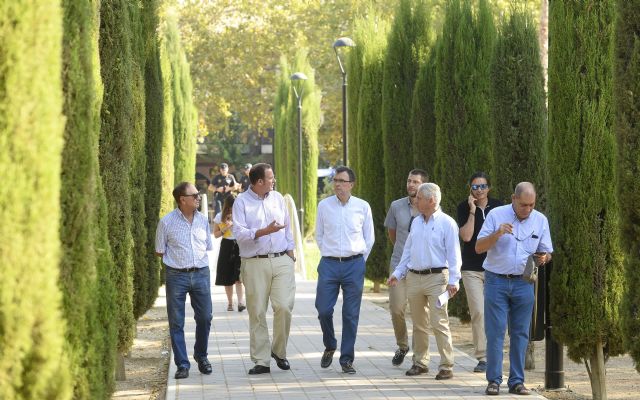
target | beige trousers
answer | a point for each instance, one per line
(397, 307)
(474, 288)
(268, 279)
(423, 292)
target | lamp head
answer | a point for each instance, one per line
(344, 42)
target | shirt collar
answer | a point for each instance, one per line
(255, 195)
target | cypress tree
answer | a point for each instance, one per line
(310, 124)
(116, 155)
(626, 95)
(463, 132)
(587, 278)
(423, 119)
(91, 329)
(406, 45)
(354, 71)
(33, 361)
(519, 110)
(155, 132)
(281, 106)
(372, 43)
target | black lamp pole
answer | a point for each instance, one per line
(343, 42)
(299, 76)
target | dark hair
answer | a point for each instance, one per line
(227, 206)
(479, 174)
(421, 172)
(349, 171)
(257, 172)
(180, 190)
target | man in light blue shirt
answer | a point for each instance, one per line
(344, 233)
(509, 235)
(430, 263)
(183, 238)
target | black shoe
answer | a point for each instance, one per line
(327, 358)
(348, 368)
(398, 358)
(481, 367)
(282, 363)
(241, 307)
(204, 366)
(416, 370)
(182, 373)
(259, 369)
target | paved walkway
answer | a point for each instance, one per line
(376, 378)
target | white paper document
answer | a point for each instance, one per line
(442, 299)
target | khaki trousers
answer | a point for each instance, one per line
(474, 288)
(268, 279)
(423, 292)
(397, 307)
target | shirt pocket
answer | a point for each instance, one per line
(200, 234)
(354, 222)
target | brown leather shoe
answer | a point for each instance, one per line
(416, 370)
(444, 374)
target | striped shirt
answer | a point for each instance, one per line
(183, 244)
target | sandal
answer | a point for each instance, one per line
(493, 389)
(519, 389)
(241, 307)
(230, 307)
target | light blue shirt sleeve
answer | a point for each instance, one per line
(368, 232)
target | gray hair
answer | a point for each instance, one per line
(429, 190)
(524, 187)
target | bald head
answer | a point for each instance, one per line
(523, 199)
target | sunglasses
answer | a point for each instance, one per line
(482, 186)
(195, 195)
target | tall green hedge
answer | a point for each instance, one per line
(155, 133)
(85, 279)
(310, 124)
(118, 123)
(587, 279)
(282, 103)
(354, 75)
(372, 33)
(407, 42)
(33, 361)
(626, 95)
(423, 119)
(518, 108)
(464, 132)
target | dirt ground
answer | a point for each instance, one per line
(148, 362)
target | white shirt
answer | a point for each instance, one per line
(183, 244)
(509, 254)
(432, 244)
(344, 230)
(250, 213)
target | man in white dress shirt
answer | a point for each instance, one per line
(345, 236)
(261, 227)
(430, 263)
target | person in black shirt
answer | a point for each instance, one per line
(223, 185)
(471, 215)
(244, 180)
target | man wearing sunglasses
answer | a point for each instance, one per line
(183, 238)
(471, 215)
(509, 235)
(398, 223)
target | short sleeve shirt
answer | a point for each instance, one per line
(472, 261)
(399, 218)
(221, 181)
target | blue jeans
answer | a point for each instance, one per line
(507, 301)
(333, 275)
(198, 285)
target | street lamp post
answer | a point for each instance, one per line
(343, 42)
(297, 78)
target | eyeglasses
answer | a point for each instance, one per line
(340, 181)
(531, 235)
(482, 186)
(196, 196)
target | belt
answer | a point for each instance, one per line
(190, 269)
(270, 255)
(507, 276)
(343, 259)
(427, 271)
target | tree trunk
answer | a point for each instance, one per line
(597, 373)
(121, 374)
(529, 359)
(376, 287)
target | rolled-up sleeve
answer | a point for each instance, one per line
(287, 228)
(320, 226)
(161, 238)
(240, 228)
